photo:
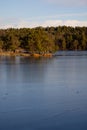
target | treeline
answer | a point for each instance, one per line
(43, 40)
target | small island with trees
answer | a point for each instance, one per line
(42, 41)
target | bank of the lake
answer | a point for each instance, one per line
(36, 55)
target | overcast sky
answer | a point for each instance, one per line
(32, 13)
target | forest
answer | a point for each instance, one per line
(43, 40)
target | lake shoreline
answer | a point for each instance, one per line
(36, 55)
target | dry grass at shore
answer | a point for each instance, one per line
(36, 55)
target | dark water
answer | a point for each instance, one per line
(43, 94)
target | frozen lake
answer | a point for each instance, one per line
(44, 93)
